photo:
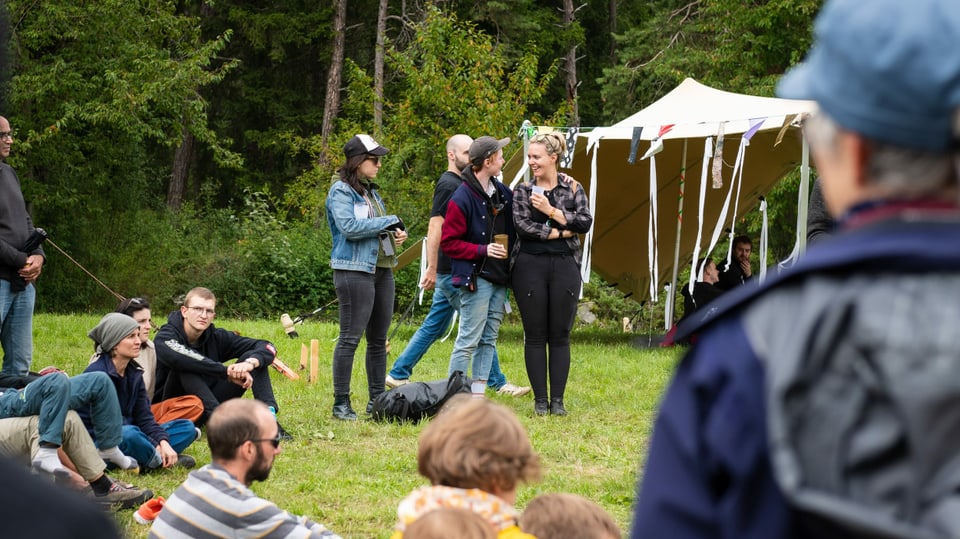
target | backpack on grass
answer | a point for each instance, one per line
(418, 400)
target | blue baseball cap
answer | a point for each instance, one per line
(886, 69)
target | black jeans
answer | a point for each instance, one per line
(546, 289)
(212, 391)
(366, 305)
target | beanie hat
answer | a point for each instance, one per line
(113, 327)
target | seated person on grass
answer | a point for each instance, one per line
(117, 340)
(183, 407)
(20, 441)
(475, 453)
(191, 357)
(50, 397)
(567, 516)
(216, 501)
(704, 291)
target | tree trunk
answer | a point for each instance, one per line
(334, 76)
(181, 171)
(613, 30)
(378, 60)
(570, 66)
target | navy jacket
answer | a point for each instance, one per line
(132, 394)
(709, 471)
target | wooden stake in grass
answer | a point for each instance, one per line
(314, 359)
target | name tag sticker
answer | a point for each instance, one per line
(361, 210)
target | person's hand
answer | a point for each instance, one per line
(31, 270)
(541, 203)
(745, 268)
(167, 453)
(429, 279)
(237, 374)
(399, 237)
(495, 250)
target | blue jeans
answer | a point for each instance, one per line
(366, 307)
(139, 446)
(53, 395)
(16, 328)
(446, 301)
(481, 313)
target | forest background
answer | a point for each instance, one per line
(168, 144)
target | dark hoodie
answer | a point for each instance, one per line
(208, 356)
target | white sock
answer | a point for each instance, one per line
(115, 456)
(48, 460)
(478, 388)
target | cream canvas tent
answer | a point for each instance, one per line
(620, 191)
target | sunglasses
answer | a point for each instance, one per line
(275, 442)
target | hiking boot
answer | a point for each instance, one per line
(513, 390)
(540, 407)
(124, 497)
(392, 382)
(556, 407)
(149, 510)
(342, 409)
(186, 461)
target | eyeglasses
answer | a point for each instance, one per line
(201, 311)
(275, 442)
(7, 134)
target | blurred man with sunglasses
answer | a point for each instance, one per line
(216, 501)
(19, 269)
(192, 354)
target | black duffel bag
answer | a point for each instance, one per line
(418, 400)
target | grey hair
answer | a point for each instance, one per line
(908, 173)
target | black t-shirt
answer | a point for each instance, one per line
(446, 185)
(552, 247)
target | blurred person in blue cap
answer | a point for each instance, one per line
(826, 403)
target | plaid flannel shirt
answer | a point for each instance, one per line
(569, 199)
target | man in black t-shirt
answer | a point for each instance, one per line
(446, 297)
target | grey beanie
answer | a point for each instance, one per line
(113, 327)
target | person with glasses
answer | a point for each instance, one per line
(192, 354)
(549, 214)
(154, 445)
(365, 241)
(19, 270)
(216, 500)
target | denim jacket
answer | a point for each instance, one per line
(355, 234)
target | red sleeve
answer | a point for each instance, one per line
(454, 229)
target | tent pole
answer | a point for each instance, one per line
(672, 295)
(804, 195)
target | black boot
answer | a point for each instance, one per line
(540, 406)
(556, 406)
(342, 409)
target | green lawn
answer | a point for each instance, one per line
(350, 476)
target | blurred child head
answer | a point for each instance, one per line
(450, 522)
(567, 516)
(476, 443)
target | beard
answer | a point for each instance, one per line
(260, 470)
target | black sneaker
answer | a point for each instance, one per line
(121, 496)
(284, 435)
(186, 461)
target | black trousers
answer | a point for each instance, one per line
(546, 289)
(212, 391)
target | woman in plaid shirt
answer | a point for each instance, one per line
(548, 215)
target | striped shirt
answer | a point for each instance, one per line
(211, 503)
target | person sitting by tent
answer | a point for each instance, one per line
(737, 271)
(704, 291)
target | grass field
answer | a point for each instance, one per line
(350, 476)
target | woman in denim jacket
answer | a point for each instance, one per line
(549, 213)
(362, 257)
